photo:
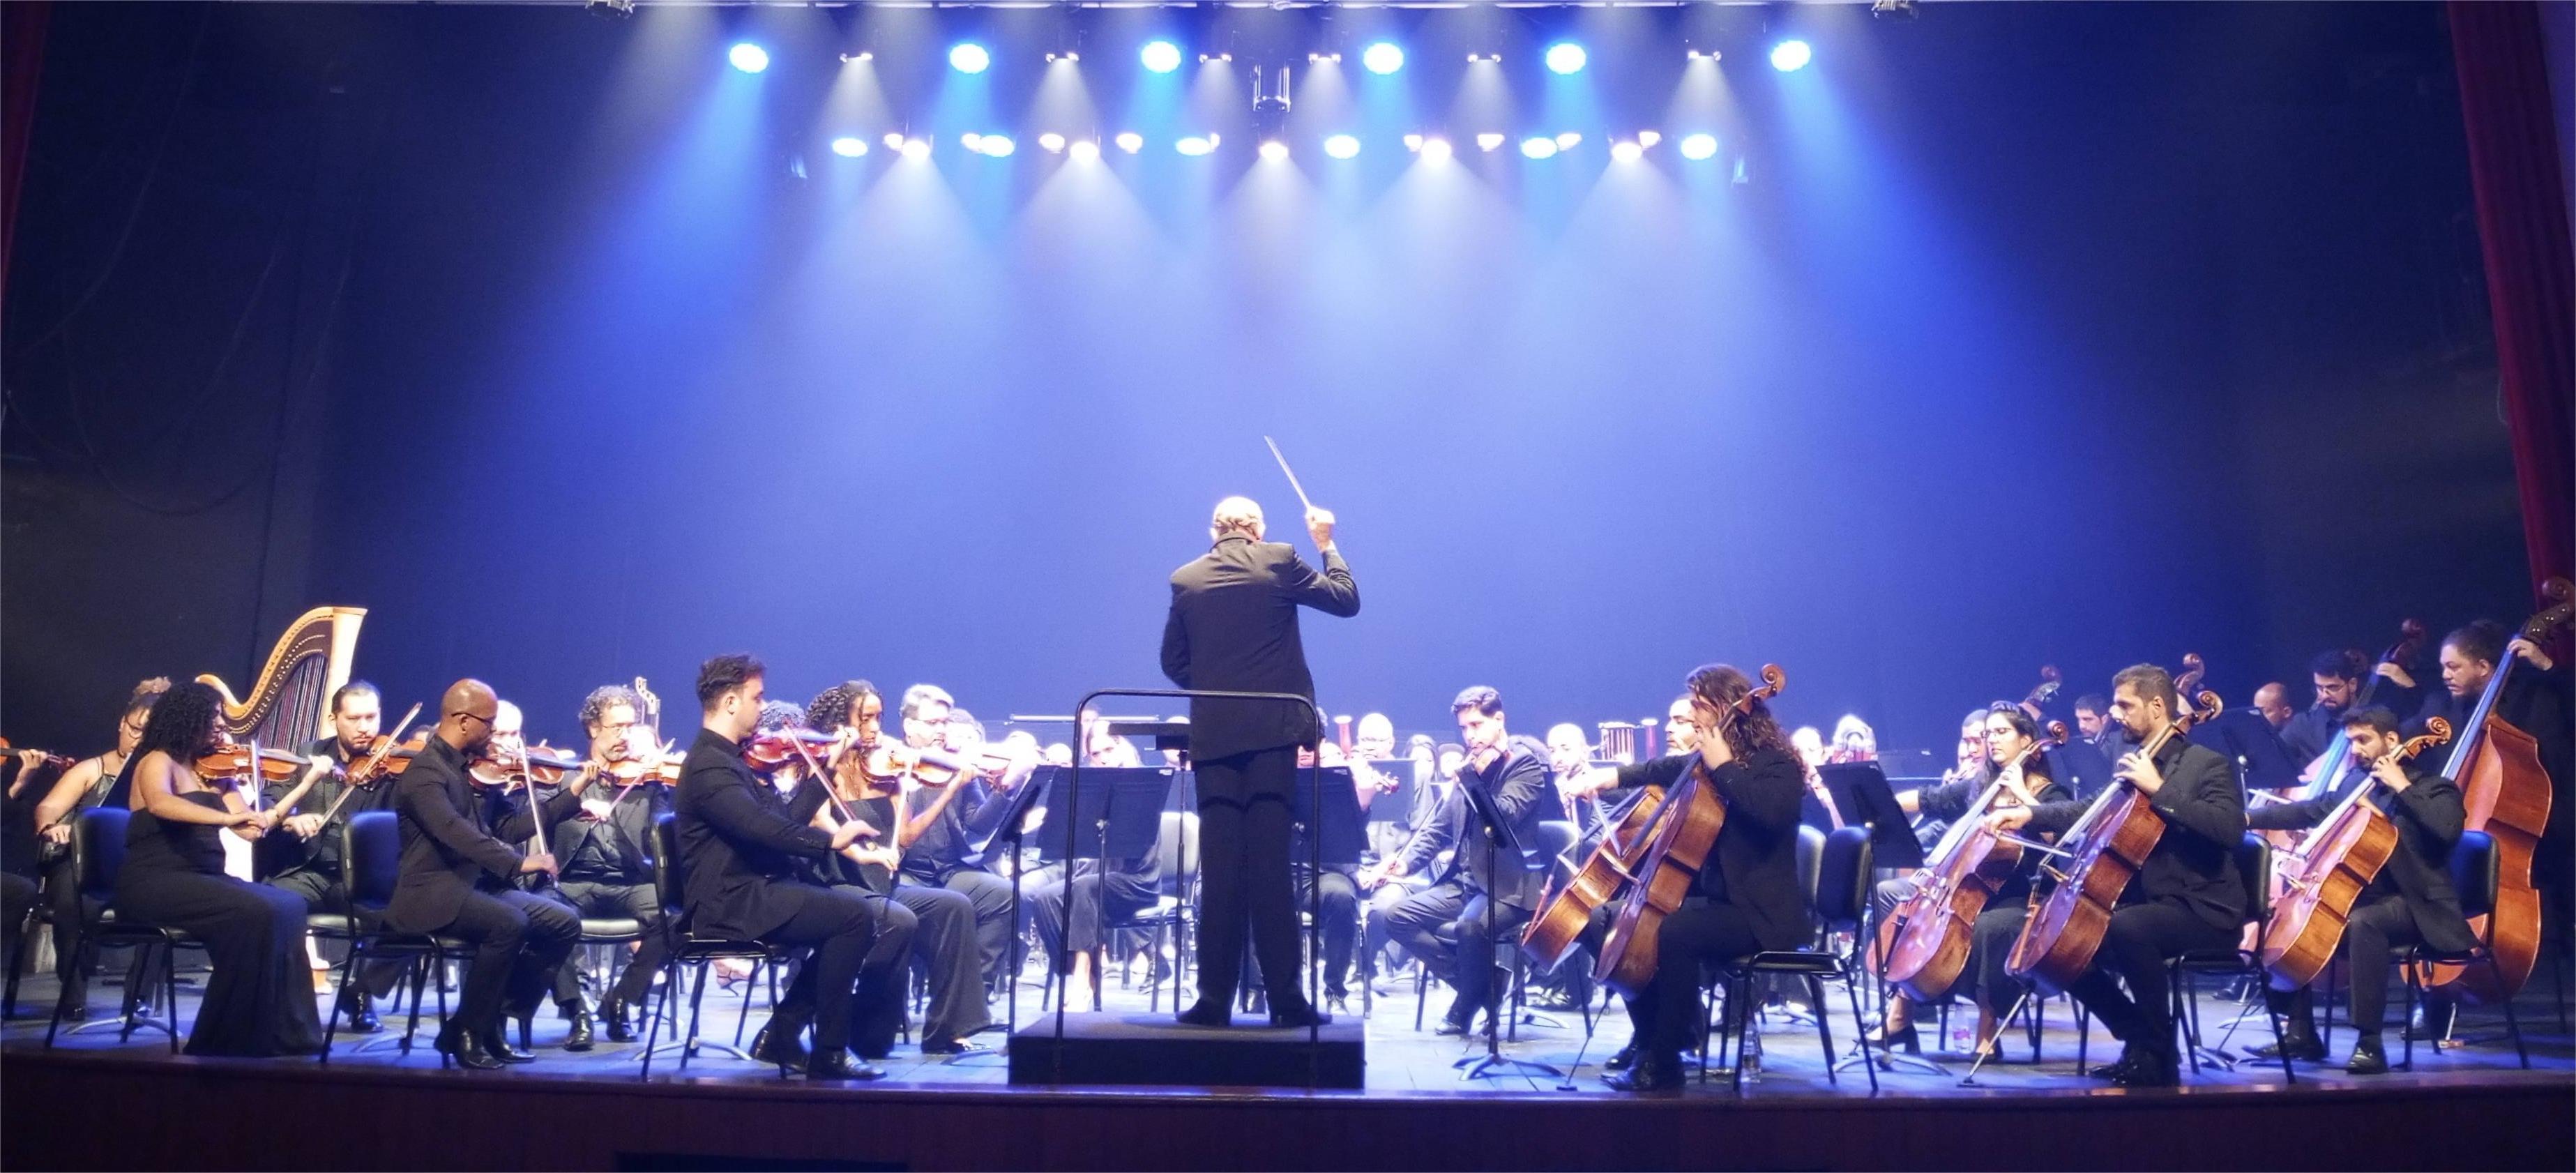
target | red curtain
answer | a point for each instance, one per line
(22, 59)
(2531, 275)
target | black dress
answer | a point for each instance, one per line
(259, 1000)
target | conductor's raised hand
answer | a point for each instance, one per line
(1319, 526)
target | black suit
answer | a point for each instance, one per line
(2411, 899)
(455, 878)
(1233, 626)
(2537, 703)
(741, 848)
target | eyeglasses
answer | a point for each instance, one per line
(475, 716)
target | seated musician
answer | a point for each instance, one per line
(2008, 732)
(945, 824)
(2409, 902)
(2339, 677)
(89, 782)
(455, 881)
(1416, 877)
(2185, 896)
(1747, 900)
(1854, 741)
(303, 857)
(2535, 700)
(943, 941)
(742, 844)
(29, 775)
(1338, 905)
(2093, 723)
(1496, 889)
(2272, 703)
(1068, 913)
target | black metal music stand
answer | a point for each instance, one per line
(1500, 842)
(1010, 833)
(1119, 818)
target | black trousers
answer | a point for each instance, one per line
(17, 898)
(1377, 930)
(1481, 927)
(943, 942)
(612, 900)
(322, 896)
(1244, 888)
(858, 942)
(1665, 1014)
(1338, 910)
(2135, 947)
(520, 938)
(1416, 921)
(1068, 915)
(2374, 934)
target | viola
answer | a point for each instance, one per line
(383, 757)
(1923, 948)
(51, 758)
(661, 768)
(888, 764)
(2324, 875)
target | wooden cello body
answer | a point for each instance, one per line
(2324, 875)
(1602, 880)
(1933, 929)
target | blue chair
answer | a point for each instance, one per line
(98, 855)
(2475, 874)
(370, 863)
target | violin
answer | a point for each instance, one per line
(51, 758)
(383, 757)
(778, 749)
(542, 763)
(236, 760)
(661, 768)
(887, 764)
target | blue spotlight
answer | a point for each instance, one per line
(1699, 147)
(1342, 146)
(1565, 57)
(748, 57)
(848, 147)
(969, 57)
(1791, 56)
(1161, 56)
(1382, 57)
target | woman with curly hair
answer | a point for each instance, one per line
(259, 1000)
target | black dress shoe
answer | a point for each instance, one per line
(2368, 1058)
(2305, 1048)
(498, 1046)
(837, 1064)
(777, 1044)
(613, 1012)
(952, 1047)
(579, 1038)
(1206, 1013)
(2149, 1071)
(1903, 1038)
(357, 1015)
(1650, 1073)
(1621, 1059)
(1299, 1016)
(467, 1051)
(2430, 1023)
(73, 1011)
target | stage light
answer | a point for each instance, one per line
(861, 55)
(971, 141)
(1489, 141)
(748, 57)
(997, 146)
(1435, 150)
(893, 141)
(1274, 151)
(1568, 141)
(1205, 58)
(1382, 58)
(1161, 56)
(1130, 141)
(1051, 142)
(1342, 146)
(1538, 148)
(1323, 58)
(1083, 150)
(1486, 58)
(1627, 152)
(1791, 56)
(849, 148)
(1706, 55)
(969, 57)
(916, 148)
(1648, 138)
(1565, 57)
(1698, 147)
(1195, 146)
(1065, 56)
(1413, 142)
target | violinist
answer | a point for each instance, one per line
(455, 881)
(1854, 741)
(2409, 901)
(604, 849)
(1498, 890)
(1749, 900)
(30, 774)
(304, 857)
(1416, 887)
(945, 823)
(2186, 895)
(2028, 778)
(88, 783)
(943, 940)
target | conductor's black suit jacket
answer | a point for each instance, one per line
(1233, 626)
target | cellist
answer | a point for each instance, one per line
(1748, 902)
(2409, 901)
(2187, 894)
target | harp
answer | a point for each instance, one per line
(290, 700)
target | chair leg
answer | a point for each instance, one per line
(661, 1005)
(439, 965)
(1851, 990)
(170, 985)
(2407, 1031)
(742, 1017)
(1739, 1019)
(348, 973)
(1824, 1031)
(1421, 993)
(2279, 1043)
(2513, 1026)
(419, 981)
(18, 965)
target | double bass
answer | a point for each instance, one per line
(2329, 766)
(2506, 790)
(2105, 848)
(1680, 834)
(1929, 935)
(2326, 872)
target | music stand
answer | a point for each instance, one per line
(1500, 840)
(1032, 790)
(1118, 817)
(1862, 792)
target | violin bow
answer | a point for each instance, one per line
(375, 757)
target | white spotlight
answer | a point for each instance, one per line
(1627, 152)
(1051, 142)
(997, 146)
(1130, 141)
(1538, 148)
(1161, 56)
(1489, 141)
(1648, 138)
(893, 141)
(971, 141)
(848, 147)
(1413, 142)
(1274, 151)
(1195, 146)
(1568, 141)
(916, 148)
(1699, 147)
(1083, 150)
(1342, 146)
(1435, 150)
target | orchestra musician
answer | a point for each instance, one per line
(2186, 894)
(2093, 723)
(455, 880)
(304, 858)
(1233, 627)
(88, 783)
(1747, 901)
(943, 824)
(2409, 901)
(1497, 889)
(2338, 677)
(259, 998)
(742, 844)
(2272, 703)
(1399, 885)
(1068, 913)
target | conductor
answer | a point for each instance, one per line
(1233, 626)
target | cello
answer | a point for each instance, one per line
(2329, 868)
(1928, 944)
(2506, 790)
(1681, 832)
(2105, 848)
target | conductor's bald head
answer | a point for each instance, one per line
(1237, 517)
(466, 713)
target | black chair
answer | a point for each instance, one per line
(1555, 838)
(2475, 874)
(98, 854)
(1835, 869)
(39, 913)
(691, 954)
(2182, 974)
(370, 863)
